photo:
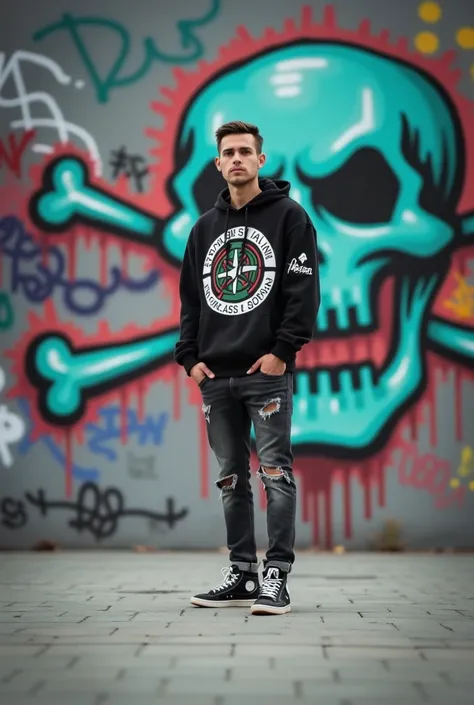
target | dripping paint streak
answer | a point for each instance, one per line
(314, 498)
(124, 253)
(413, 424)
(71, 257)
(365, 479)
(103, 262)
(328, 515)
(140, 402)
(379, 470)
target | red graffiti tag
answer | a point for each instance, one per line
(13, 155)
(428, 472)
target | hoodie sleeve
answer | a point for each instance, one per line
(300, 292)
(186, 349)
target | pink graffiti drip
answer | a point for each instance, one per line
(365, 480)
(194, 396)
(327, 503)
(71, 246)
(140, 401)
(103, 264)
(319, 476)
(413, 419)
(379, 475)
(313, 507)
(124, 257)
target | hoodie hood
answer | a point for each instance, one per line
(271, 191)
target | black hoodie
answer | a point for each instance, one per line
(249, 283)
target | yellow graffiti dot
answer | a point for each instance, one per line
(426, 42)
(471, 486)
(465, 37)
(454, 482)
(429, 11)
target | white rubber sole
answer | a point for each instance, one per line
(198, 602)
(267, 609)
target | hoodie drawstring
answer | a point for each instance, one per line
(227, 240)
(241, 253)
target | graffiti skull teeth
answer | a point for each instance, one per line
(355, 374)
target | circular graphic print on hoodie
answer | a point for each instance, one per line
(238, 272)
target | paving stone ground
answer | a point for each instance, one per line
(116, 628)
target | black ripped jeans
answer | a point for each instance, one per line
(230, 405)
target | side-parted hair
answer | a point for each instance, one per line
(238, 128)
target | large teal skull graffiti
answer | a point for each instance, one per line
(373, 150)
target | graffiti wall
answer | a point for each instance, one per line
(107, 124)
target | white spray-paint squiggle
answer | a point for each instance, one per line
(12, 428)
(25, 100)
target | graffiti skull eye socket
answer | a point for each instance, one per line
(363, 191)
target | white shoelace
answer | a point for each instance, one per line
(230, 579)
(270, 587)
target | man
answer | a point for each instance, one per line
(249, 293)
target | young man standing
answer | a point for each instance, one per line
(249, 298)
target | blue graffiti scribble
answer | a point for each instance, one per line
(46, 274)
(149, 430)
(78, 472)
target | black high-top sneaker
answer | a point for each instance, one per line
(238, 589)
(273, 597)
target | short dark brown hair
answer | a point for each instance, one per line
(239, 128)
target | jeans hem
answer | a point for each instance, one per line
(246, 566)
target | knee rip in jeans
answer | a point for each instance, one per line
(272, 406)
(206, 410)
(266, 473)
(227, 484)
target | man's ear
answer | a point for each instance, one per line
(218, 163)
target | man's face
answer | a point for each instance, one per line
(238, 160)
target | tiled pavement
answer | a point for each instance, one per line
(92, 628)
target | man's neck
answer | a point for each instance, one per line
(241, 195)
